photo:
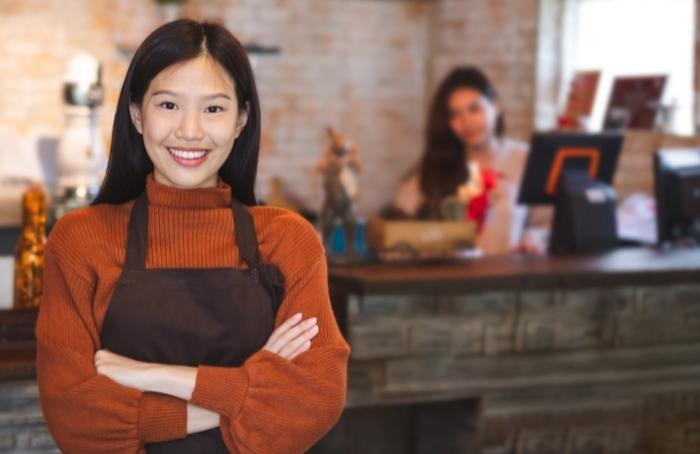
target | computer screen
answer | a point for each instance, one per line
(677, 187)
(554, 153)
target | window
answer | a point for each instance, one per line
(634, 38)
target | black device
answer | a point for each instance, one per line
(677, 187)
(574, 171)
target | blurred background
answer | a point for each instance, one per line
(366, 67)
(568, 73)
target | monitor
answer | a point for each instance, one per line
(677, 188)
(574, 171)
(552, 154)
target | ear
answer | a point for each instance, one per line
(135, 112)
(242, 119)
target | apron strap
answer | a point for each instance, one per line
(137, 234)
(265, 274)
(246, 239)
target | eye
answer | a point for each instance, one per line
(475, 108)
(167, 105)
(214, 109)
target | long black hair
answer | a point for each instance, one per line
(443, 164)
(175, 42)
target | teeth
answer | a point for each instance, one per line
(187, 154)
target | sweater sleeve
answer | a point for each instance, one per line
(274, 405)
(86, 412)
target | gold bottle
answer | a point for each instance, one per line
(29, 254)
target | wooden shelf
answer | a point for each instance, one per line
(17, 343)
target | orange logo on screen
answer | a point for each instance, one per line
(593, 155)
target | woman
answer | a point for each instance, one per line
(172, 313)
(467, 156)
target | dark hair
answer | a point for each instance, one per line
(172, 43)
(443, 164)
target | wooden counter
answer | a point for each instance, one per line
(622, 267)
(596, 354)
(573, 354)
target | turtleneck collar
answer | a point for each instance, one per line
(200, 198)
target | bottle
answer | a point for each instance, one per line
(29, 254)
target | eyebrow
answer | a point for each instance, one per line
(172, 93)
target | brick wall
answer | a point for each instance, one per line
(367, 67)
(359, 66)
(501, 38)
(555, 370)
(23, 429)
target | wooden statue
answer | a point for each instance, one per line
(339, 165)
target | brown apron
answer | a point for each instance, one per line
(191, 316)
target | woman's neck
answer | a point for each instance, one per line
(482, 153)
(165, 195)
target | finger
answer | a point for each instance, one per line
(272, 343)
(304, 347)
(294, 319)
(295, 343)
(289, 354)
(292, 333)
(300, 344)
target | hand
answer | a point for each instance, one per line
(200, 419)
(528, 248)
(137, 374)
(292, 337)
(125, 371)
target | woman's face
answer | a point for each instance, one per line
(189, 120)
(472, 116)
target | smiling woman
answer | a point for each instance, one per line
(193, 121)
(178, 316)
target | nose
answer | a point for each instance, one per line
(190, 126)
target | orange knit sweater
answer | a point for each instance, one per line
(268, 405)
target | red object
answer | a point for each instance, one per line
(564, 122)
(479, 205)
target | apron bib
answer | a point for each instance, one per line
(190, 316)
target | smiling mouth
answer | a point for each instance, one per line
(188, 153)
(188, 157)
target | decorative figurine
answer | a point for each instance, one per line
(29, 253)
(339, 165)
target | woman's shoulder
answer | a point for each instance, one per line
(279, 217)
(84, 229)
(511, 146)
(286, 237)
(512, 155)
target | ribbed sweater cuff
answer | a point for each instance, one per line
(161, 417)
(220, 389)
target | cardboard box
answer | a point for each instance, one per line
(420, 237)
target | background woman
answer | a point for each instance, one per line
(467, 155)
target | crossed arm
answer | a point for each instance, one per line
(96, 401)
(288, 340)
